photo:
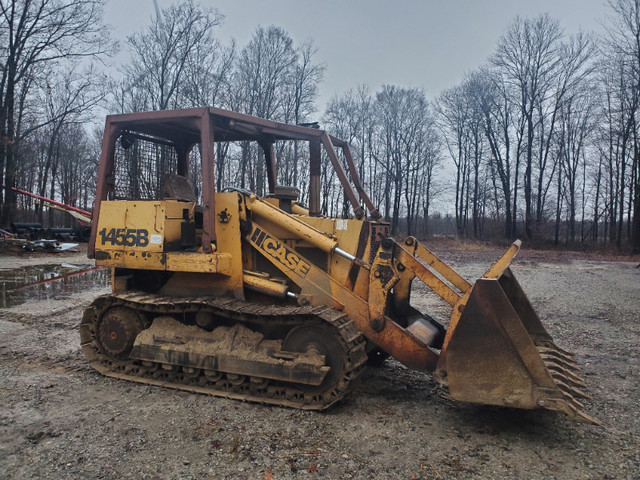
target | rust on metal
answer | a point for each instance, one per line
(221, 378)
(268, 301)
(183, 129)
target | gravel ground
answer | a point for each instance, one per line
(60, 419)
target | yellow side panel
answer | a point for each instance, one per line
(347, 232)
(172, 261)
(131, 226)
(174, 208)
(135, 234)
(199, 262)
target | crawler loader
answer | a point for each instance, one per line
(259, 298)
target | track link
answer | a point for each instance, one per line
(236, 311)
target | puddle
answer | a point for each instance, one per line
(48, 282)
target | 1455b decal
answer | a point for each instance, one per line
(129, 237)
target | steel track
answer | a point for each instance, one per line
(267, 392)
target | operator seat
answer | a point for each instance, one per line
(177, 187)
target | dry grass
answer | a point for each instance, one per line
(547, 253)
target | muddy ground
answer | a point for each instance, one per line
(59, 419)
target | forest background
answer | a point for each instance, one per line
(539, 141)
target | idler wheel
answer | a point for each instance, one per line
(319, 340)
(117, 330)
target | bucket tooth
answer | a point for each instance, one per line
(578, 380)
(576, 404)
(584, 418)
(568, 353)
(556, 353)
(561, 363)
(579, 393)
(550, 345)
(575, 392)
(566, 376)
(566, 387)
(567, 392)
(571, 390)
(558, 376)
(554, 366)
(570, 381)
(562, 405)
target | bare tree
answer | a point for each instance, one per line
(540, 69)
(264, 75)
(352, 117)
(35, 33)
(307, 75)
(265, 72)
(576, 66)
(207, 75)
(163, 54)
(299, 105)
(622, 53)
(504, 131)
(396, 149)
(406, 135)
(474, 87)
(67, 97)
(454, 111)
(576, 118)
(528, 57)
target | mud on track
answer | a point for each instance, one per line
(60, 419)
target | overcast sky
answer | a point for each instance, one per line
(428, 44)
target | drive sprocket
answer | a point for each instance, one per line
(117, 329)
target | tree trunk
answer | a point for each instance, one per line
(623, 159)
(528, 216)
(635, 230)
(10, 160)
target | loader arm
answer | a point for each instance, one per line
(494, 350)
(318, 288)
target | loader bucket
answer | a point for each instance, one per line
(497, 351)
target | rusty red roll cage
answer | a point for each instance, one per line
(209, 125)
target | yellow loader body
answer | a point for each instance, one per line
(263, 299)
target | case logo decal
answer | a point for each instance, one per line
(280, 252)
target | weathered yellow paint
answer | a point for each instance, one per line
(293, 225)
(228, 237)
(298, 210)
(493, 273)
(300, 231)
(160, 219)
(347, 234)
(382, 278)
(501, 265)
(320, 288)
(172, 261)
(265, 285)
(428, 277)
(158, 224)
(199, 262)
(417, 249)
